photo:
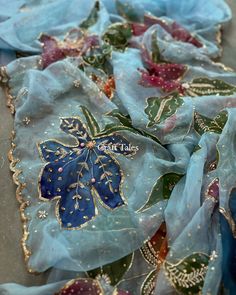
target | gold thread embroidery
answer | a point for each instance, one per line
(23, 204)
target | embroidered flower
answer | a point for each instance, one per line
(178, 32)
(77, 175)
(88, 286)
(42, 214)
(76, 43)
(165, 76)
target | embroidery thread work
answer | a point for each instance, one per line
(78, 175)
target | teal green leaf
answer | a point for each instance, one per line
(127, 11)
(159, 109)
(149, 284)
(156, 55)
(98, 59)
(162, 189)
(118, 35)
(124, 120)
(112, 128)
(203, 124)
(115, 271)
(188, 274)
(205, 86)
(91, 121)
(92, 18)
(124, 125)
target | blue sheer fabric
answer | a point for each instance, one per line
(103, 168)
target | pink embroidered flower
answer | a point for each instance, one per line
(165, 76)
(87, 286)
(213, 190)
(75, 44)
(178, 32)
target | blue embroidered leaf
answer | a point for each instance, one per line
(76, 174)
(57, 176)
(74, 126)
(107, 174)
(55, 151)
(77, 208)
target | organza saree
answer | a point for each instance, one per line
(123, 145)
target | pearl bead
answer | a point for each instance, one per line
(93, 180)
(82, 144)
(60, 169)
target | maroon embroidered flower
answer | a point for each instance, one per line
(178, 32)
(87, 286)
(165, 76)
(213, 190)
(75, 44)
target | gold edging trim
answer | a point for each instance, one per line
(4, 79)
(23, 204)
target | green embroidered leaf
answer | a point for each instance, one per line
(124, 120)
(111, 128)
(149, 284)
(117, 35)
(203, 124)
(156, 55)
(205, 86)
(159, 109)
(125, 125)
(161, 190)
(98, 59)
(92, 123)
(115, 271)
(93, 17)
(188, 274)
(127, 11)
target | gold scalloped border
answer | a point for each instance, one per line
(23, 204)
(4, 79)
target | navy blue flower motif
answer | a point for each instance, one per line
(80, 175)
